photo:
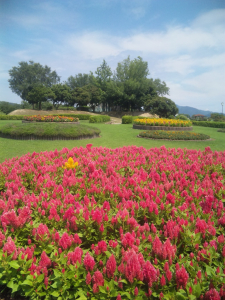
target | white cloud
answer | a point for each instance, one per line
(94, 45)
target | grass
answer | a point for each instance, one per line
(112, 136)
(50, 130)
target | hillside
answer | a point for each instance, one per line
(193, 111)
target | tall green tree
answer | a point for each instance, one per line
(40, 94)
(161, 106)
(131, 78)
(80, 80)
(29, 75)
(63, 94)
(103, 76)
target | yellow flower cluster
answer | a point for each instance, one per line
(70, 164)
(162, 122)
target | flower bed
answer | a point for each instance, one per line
(125, 223)
(49, 118)
(173, 135)
(162, 122)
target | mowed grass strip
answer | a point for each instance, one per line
(48, 130)
(112, 136)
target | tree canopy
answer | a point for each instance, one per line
(30, 75)
(128, 88)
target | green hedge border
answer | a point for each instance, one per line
(209, 124)
(99, 119)
(80, 116)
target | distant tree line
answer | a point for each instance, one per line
(127, 89)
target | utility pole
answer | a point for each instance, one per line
(222, 108)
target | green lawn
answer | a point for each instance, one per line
(112, 136)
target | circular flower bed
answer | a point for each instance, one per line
(49, 118)
(173, 135)
(162, 122)
(48, 131)
(125, 223)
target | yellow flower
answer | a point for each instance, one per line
(70, 164)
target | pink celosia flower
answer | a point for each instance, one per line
(88, 278)
(149, 273)
(181, 277)
(45, 261)
(10, 248)
(212, 294)
(111, 266)
(89, 262)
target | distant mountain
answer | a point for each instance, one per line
(193, 111)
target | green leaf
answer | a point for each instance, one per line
(102, 290)
(181, 295)
(55, 294)
(197, 290)
(14, 264)
(27, 282)
(191, 297)
(108, 254)
(40, 278)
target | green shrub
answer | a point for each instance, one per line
(127, 120)
(99, 119)
(7, 117)
(182, 117)
(48, 130)
(209, 124)
(79, 116)
(66, 108)
(83, 108)
(173, 135)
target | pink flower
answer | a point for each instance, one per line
(150, 273)
(136, 291)
(88, 278)
(45, 261)
(10, 248)
(65, 241)
(181, 277)
(98, 278)
(89, 262)
(212, 294)
(111, 266)
(163, 281)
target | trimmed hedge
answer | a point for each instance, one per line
(127, 120)
(221, 130)
(209, 124)
(79, 116)
(99, 119)
(7, 117)
(173, 135)
(48, 131)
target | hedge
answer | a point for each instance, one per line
(209, 124)
(127, 120)
(79, 116)
(99, 119)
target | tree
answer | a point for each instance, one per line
(80, 80)
(131, 77)
(96, 95)
(30, 75)
(161, 106)
(40, 94)
(63, 94)
(81, 96)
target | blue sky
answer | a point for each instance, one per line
(183, 41)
